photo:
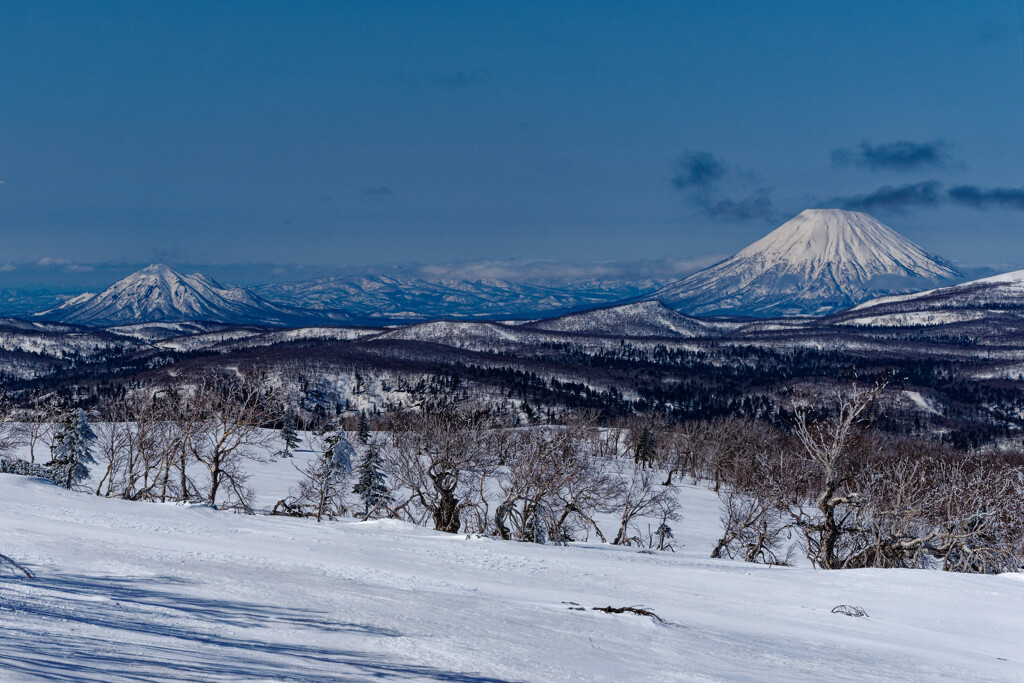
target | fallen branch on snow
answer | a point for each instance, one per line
(642, 611)
(4, 561)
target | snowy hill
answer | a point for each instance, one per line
(392, 298)
(643, 319)
(158, 293)
(143, 591)
(996, 301)
(819, 262)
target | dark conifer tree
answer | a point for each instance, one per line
(371, 484)
(290, 437)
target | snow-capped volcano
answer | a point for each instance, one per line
(158, 293)
(819, 262)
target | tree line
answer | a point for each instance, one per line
(823, 483)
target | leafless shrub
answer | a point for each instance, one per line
(15, 567)
(35, 421)
(861, 499)
(642, 496)
(224, 424)
(752, 528)
(550, 479)
(436, 454)
(321, 491)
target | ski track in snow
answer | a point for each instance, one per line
(130, 591)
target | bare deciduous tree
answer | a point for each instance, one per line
(437, 454)
(826, 444)
(232, 415)
(642, 496)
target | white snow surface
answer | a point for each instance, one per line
(141, 591)
(818, 262)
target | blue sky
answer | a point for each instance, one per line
(345, 133)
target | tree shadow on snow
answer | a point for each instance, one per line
(53, 628)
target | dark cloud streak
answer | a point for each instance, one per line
(930, 194)
(898, 199)
(981, 198)
(756, 207)
(902, 155)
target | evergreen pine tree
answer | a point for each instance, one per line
(72, 449)
(665, 536)
(363, 433)
(644, 452)
(323, 485)
(538, 523)
(371, 485)
(339, 453)
(290, 437)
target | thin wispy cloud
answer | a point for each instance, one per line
(376, 193)
(554, 271)
(51, 262)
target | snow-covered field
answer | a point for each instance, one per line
(140, 591)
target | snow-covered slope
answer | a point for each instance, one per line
(993, 300)
(642, 319)
(142, 591)
(819, 262)
(158, 293)
(392, 298)
(35, 344)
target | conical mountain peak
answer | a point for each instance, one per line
(158, 293)
(157, 269)
(818, 262)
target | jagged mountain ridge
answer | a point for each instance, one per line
(819, 262)
(158, 293)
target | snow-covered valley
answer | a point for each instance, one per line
(144, 591)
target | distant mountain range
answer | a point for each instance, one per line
(820, 262)
(391, 298)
